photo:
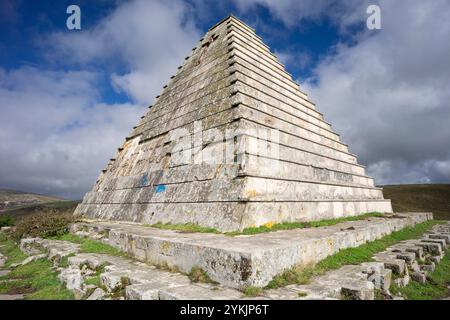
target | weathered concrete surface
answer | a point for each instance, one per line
(2, 260)
(11, 296)
(98, 294)
(4, 272)
(244, 260)
(125, 278)
(199, 292)
(359, 282)
(120, 277)
(232, 87)
(230, 216)
(55, 250)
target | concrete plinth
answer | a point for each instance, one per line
(242, 261)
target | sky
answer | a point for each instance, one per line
(68, 98)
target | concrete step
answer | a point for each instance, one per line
(242, 261)
(2, 260)
(120, 277)
(11, 296)
(230, 216)
(126, 278)
(4, 272)
(262, 166)
(359, 282)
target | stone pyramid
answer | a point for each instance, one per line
(232, 142)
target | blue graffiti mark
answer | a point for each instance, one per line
(144, 179)
(160, 188)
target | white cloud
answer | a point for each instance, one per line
(388, 94)
(55, 136)
(293, 12)
(293, 58)
(56, 131)
(149, 39)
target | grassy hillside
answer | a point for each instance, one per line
(60, 206)
(420, 198)
(18, 204)
(12, 199)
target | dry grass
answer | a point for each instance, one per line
(420, 198)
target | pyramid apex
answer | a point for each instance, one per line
(230, 17)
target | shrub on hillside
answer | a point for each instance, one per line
(6, 221)
(48, 223)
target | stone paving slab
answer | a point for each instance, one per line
(243, 261)
(4, 272)
(120, 277)
(199, 292)
(126, 278)
(358, 282)
(2, 260)
(11, 296)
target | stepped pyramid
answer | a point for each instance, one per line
(232, 142)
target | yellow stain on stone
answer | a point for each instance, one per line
(269, 224)
(330, 243)
(165, 246)
(251, 193)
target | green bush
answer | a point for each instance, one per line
(48, 223)
(6, 221)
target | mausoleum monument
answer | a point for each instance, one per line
(232, 142)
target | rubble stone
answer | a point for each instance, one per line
(428, 267)
(195, 292)
(98, 294)
(419, 277)
(358, 290)
(396, 265)
(446, 237)
(2, 260)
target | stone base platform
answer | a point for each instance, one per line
(242, 261)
